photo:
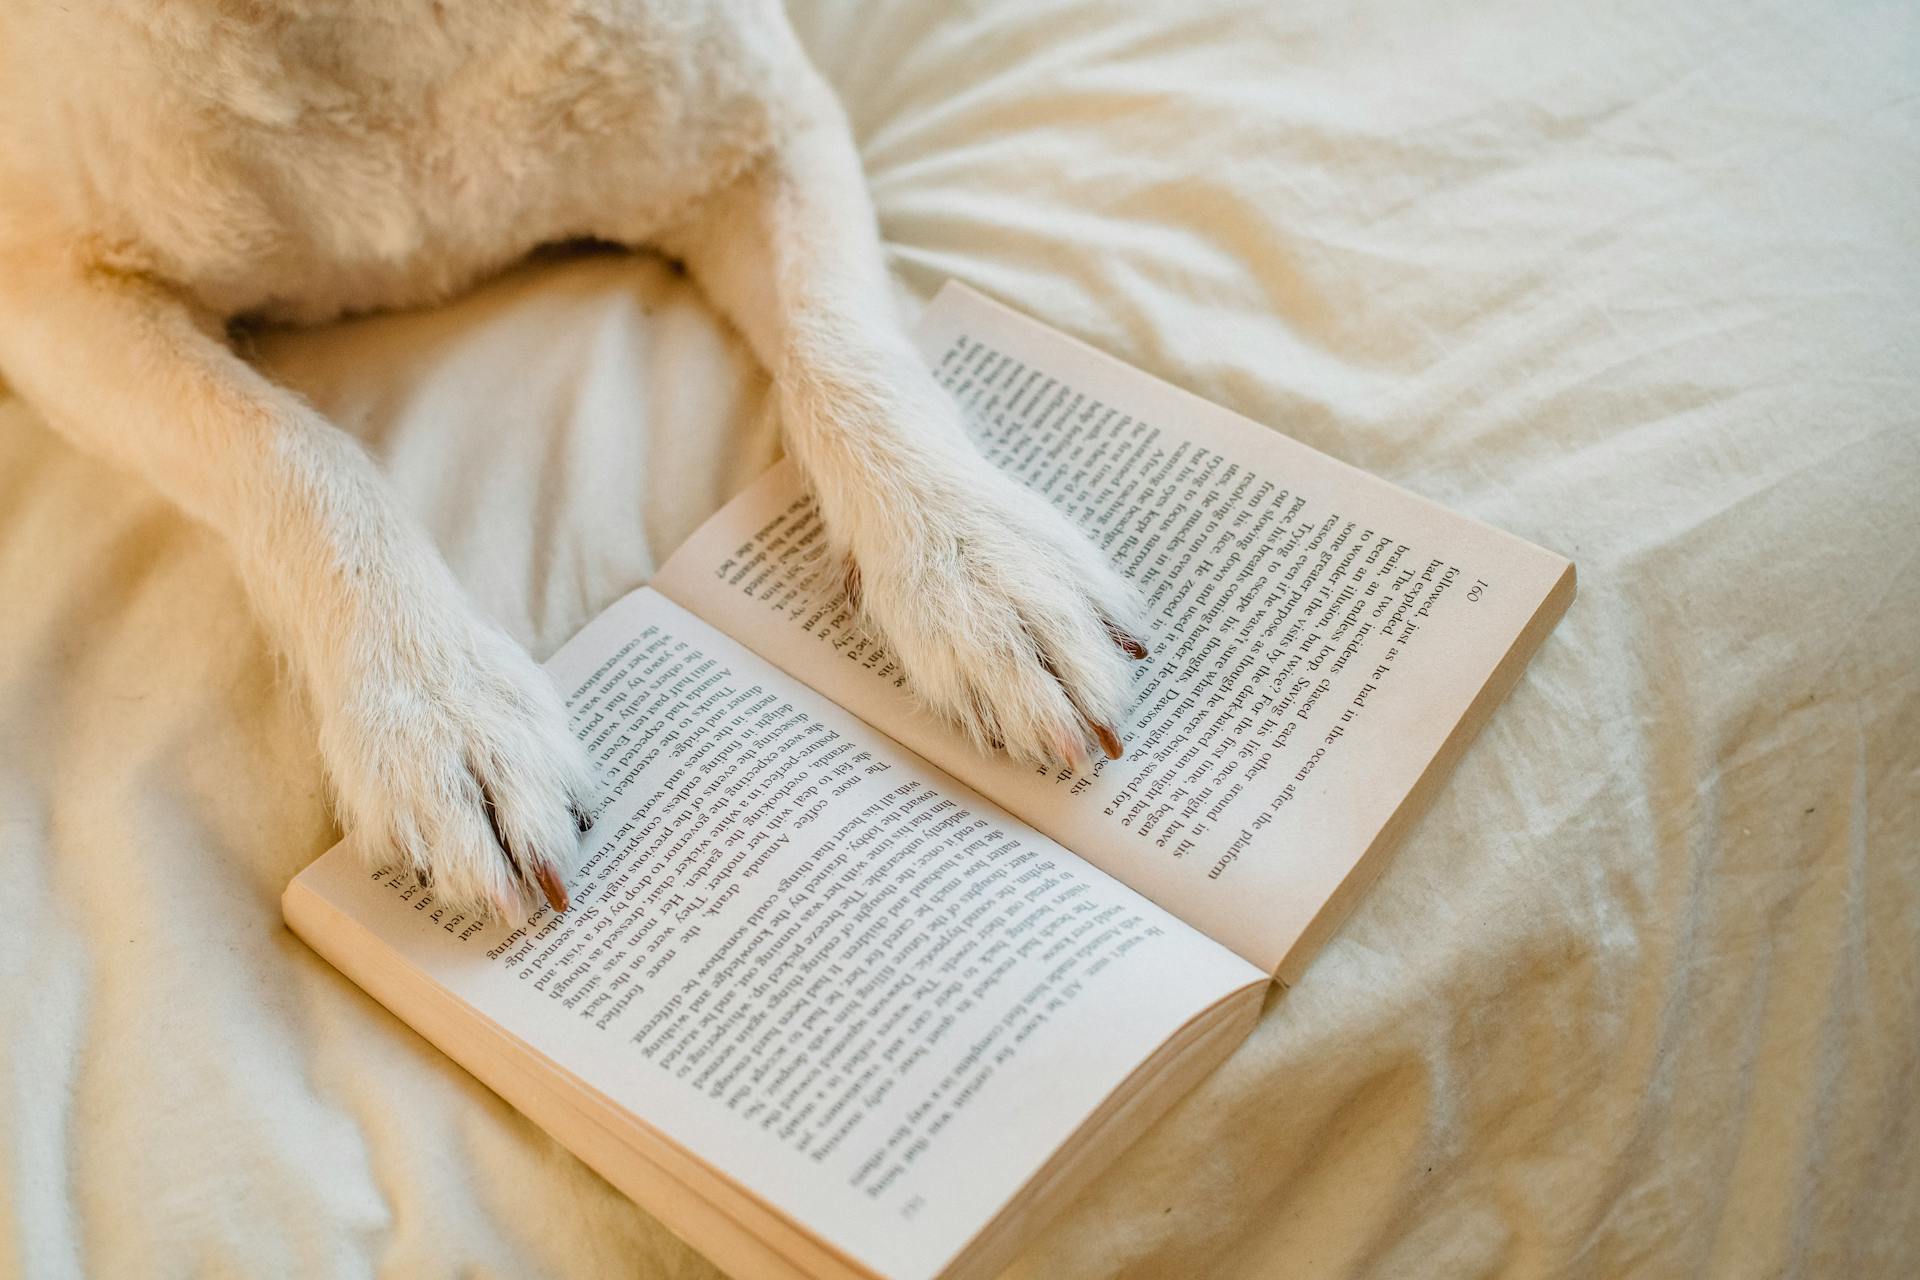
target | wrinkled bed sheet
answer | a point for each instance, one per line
(1637, 281)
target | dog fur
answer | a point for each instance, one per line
(167, 166)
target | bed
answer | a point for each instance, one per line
(1641, 994)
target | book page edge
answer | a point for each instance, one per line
(689, 1214)
(1325, 922)
(1152, 1089)
(966, 294)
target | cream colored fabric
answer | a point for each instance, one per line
(1640, 997)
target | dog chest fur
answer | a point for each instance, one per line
(302, 159)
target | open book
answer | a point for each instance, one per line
(839, 995)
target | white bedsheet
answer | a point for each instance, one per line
(1641, 996)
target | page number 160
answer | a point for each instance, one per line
(1477, 590)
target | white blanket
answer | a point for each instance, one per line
(1637, 281)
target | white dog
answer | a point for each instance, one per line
(169, 165)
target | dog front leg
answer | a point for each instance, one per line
(1004, 618)
(448, 748)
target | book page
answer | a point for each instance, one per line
(1319, 637)
(849, 984)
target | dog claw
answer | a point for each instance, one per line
(550, 885)
(1072, 752)
(1130, 644)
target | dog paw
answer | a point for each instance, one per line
(451, 758)
(1004, 618)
